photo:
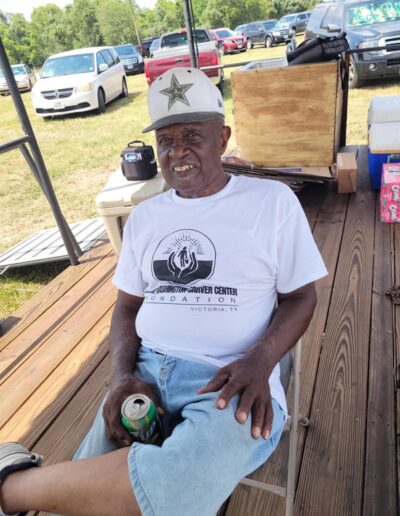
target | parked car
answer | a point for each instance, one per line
(174, 51)
(274, 33)
(155, 45)
(79, 80)
(24, 77)
(269, 24)
(366, 24)
(262, 33)
(296, 21)
(228, 41)
(131, 58)
(144, 46)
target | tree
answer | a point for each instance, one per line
(3, 18)
(282, 7)
(47, 32)
(168, 15)
(81, 24)
(16, 38)
(115, 22)
(217, 13)
(147, 23)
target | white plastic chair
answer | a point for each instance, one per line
(290, 367)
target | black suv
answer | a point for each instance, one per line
(266, 33)
(295, 21)
(144, 47)
(366, 24)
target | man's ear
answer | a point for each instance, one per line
(225, 135)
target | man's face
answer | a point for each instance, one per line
(190, 156)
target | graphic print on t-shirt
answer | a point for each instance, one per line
(182, 263)
(184, 257)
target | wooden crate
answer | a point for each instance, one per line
(290, 116)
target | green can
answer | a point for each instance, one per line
(139, 416)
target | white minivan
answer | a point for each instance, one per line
(79, 80)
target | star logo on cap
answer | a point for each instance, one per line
(176, 92)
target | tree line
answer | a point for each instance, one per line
(87, 23)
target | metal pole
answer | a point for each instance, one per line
(134, 21)
(70, 242)
(190, 33)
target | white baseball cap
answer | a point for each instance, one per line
(182, 95)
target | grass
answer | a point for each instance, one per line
(81, 151)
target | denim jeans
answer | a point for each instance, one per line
(205, 453)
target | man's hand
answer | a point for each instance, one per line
(248, 377)
(112, 407)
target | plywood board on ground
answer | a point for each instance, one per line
(289, 116)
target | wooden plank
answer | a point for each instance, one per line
(332, 472)
(44, 404)
(62, 439)
(56, 289)
(25, 379)
(380, 454)
(282, 120)
(396, 308)
(328, 234)
(312, 198)
(43, 327)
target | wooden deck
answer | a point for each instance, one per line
(54, 365)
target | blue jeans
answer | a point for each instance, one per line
(206, 452)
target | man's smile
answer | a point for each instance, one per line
(182, 170)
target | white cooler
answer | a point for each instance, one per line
(384, 109)
(119, 197)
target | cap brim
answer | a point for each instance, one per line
(180, 118)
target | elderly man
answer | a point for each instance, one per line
(195, 328)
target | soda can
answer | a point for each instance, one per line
(139, 416)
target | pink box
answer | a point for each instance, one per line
(390, 193)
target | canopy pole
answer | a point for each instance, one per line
(187, 11)
(42, 176)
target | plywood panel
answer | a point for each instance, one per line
(287, 117)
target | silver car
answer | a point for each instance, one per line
(24, 77)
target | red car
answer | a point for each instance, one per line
(228, 41)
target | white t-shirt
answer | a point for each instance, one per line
(209, 268)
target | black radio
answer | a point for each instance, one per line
(138, 163)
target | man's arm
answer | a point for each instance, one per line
(249, 375)
(124, 346)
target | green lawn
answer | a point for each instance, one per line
(80, 152)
